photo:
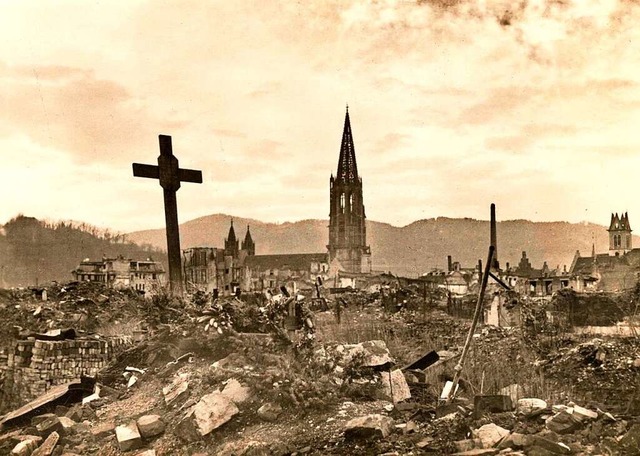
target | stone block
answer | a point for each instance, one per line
(212, 411)
(47, 447)
(530, 404)
(395, 387)
(369, 426)
(372, 353)
(584, 414)
(549, 445)
(490, 434)
(49, 425)
(176, 389)
(236, 392)
(491, 404)
(562, 423)
(270, 411)
(40, 418)
(128, 437)
(150, 426)
(103, 429)
(24, 448)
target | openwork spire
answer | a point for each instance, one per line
(347, 167)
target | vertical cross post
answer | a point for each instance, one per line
(170, 175)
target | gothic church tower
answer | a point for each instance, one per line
(619, 234)
(347, 230)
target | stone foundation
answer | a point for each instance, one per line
(32, 366)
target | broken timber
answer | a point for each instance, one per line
(476, 317)
(170, 175)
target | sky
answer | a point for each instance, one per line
(533, 105)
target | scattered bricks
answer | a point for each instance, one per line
(562, 423)
(369, 426)
(236, 392)
(46, 449)
(491, 404)
(176, 389)
(395, 387)
(150, 426)
(24, 448)
(490, 434)
(128, 437)
(270, 411)
(211, 412)
(50, 425)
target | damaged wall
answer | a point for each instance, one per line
(33, 366)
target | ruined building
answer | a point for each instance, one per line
(616, 270)
(120, 272)
(348, 249)
(215, 270)
(223, 272)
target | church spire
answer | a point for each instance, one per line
(248, 243)
(347, 167)
(231, 243)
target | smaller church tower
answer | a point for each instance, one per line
(231, 243)
(619, 234)
(248, 243)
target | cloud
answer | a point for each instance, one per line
(94, 120)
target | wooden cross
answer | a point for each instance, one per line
(170, 176)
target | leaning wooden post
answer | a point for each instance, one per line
(476, 317)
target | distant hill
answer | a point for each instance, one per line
(408, 250)
(33, 251)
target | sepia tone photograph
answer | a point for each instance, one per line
(332, 227)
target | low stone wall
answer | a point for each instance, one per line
(32, 366)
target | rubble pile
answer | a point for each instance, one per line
(228, 377)
(598, 370)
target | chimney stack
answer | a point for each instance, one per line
(449, 264)
(494, 237)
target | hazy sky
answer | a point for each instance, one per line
(534, 105)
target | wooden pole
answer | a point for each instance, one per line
(476, 317)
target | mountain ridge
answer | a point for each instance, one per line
(408, 250)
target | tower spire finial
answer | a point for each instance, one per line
(347, 167)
